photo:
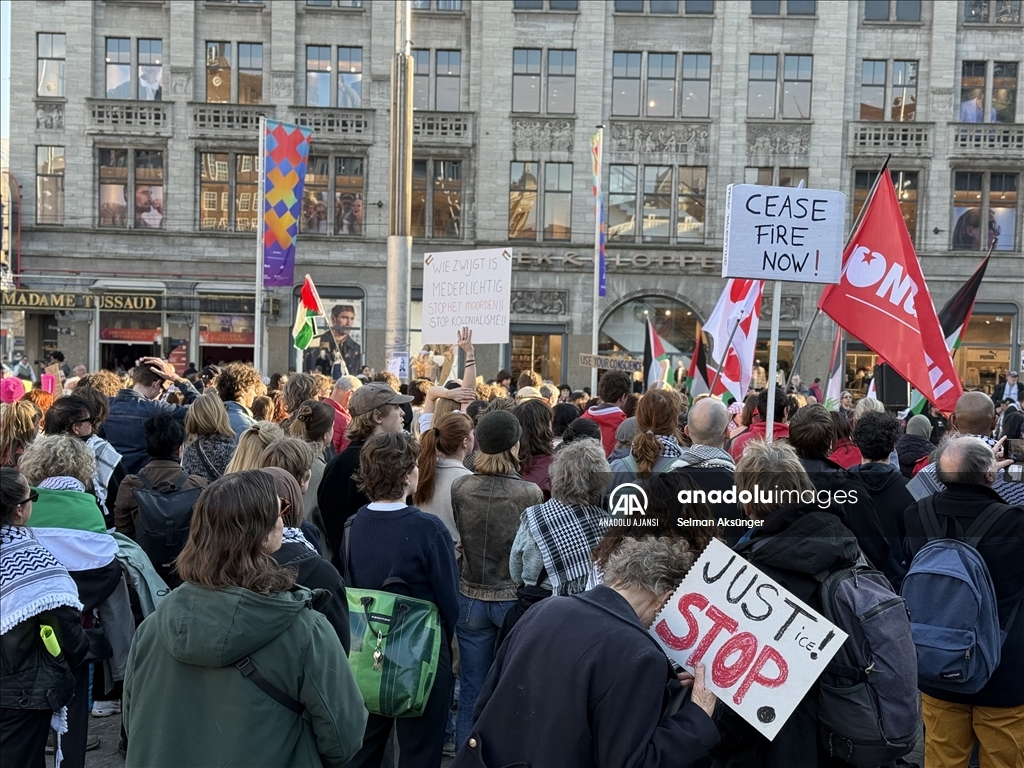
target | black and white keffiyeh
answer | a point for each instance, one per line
(669, 446)
(566, 535)
(296, 535)
(31, 579)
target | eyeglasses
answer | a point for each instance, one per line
(33, 496)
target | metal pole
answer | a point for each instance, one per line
(800, 349)
(596, 318)
(728, 346)
(773, 361)
(399, 265)
(257, 326)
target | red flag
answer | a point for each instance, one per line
(883, 300)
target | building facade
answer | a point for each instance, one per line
(134, 144)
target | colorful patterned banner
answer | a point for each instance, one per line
(595, 152)
(285, 152)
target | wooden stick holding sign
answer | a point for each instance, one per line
(763, 648)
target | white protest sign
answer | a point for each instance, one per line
(761, 647)
(398, 364)
(467, 288)
(783, 233)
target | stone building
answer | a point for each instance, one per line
(135, 157)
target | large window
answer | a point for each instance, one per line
(985, 354)
(437, 198)
(318, 75)
(761, 85)
(439, 5)
(421, 79)
(119, 68)
(626, 84)
(315, 219)
(218, 73)
(526, 79)
(988, 92)
(796, 88)
(775, 7)
(672, 202)
(561, 82)
(350, 77)
(49, 185)
(992, 11)
(448, 77)
(557, 201)
(661, 84)
(250, 73)
(151, 70)
(984, 210)
(228, 191)
(522, 201)
(50, 53)
(249, 88)
(553, 5)
(131, 188)
(905, 183)
(775, 176)
(902, 90)
(664, 6)
(892, 10)
(696, 84)
(344, 187)
(348, 195)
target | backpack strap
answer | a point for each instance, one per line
(933, 529)
(630, 463)
(207, 464)
(245, 666)
(346, 547)
(983, 524)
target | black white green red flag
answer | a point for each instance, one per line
(310, 307)
(655, 358)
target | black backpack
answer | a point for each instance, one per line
(165, 513)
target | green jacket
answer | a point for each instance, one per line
(185, 703)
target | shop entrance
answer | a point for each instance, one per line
(221, 355)
(120, 358)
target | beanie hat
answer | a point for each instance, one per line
(11, 389)
(497, 432)
(627, 431)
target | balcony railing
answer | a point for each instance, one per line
(870, 138)
(220, 119)
(351, 124)
(988, 138)
(442, 128)
(120, 116)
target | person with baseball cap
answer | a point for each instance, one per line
(1008, 389)
(375, 409)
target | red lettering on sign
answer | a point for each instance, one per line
(672, 640)
(721, 622)
(754, 676)
(725, 674)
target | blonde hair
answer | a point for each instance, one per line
(657, 413)
(770, 465)
(19, 426)
(504, 463)
(58, 456)
(206, 416)
(443, 406)
(867, 405)
(251, 445)
(292, 454)
(364, 425)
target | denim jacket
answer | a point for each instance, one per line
(128, 412)
(239, 417)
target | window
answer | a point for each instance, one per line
(228, 191)
(329, 3)
(564, 5)
(448, 79)
(892, 10)
(526, 80)
(872, 90)
(626, 84)
(49, 185)
(528, 5)
(903, 102)
(673, 201)
(906, 191)
(557, 201)
(774, 7)
(131, 188)
(553, 5)
(774, 176)
(318, 76)
(250, 73)
(315, 209)
(992, 11)
(437, 198)
(902, 95)
(664, 6)
(661, 84)
(345, 217)
(522, 201)
(981, 104)
(984, 197)
(796, 88)
(801, 7)
(442, 5)
(696, 84)
(421, 79)
(561, 82)
(348, 196)
(629, 6)
(218, 73)
(50, 54)
(350, 78)
(151, 71)
(699, 6)
(761, 85)
(119, 68)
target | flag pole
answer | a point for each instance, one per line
(596, 317)
(725, 352)
(773, 361)
(257, 336)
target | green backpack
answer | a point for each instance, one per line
(396, 641)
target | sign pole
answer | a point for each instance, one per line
(596, 317)
(257, 337)
(800, 349)
(773, 361)
(728, 346)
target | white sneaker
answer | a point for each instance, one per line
(106, 708)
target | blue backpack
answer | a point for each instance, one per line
(952, 603)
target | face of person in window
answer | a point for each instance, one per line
(341, 323)
(357, 209)
(143, 199)
(975, 234)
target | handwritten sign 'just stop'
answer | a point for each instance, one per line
(761, 647)
(783, 233)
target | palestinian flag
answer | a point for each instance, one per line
(697, 382)
(953, 318)
(306, 313)
(654, 354)
(834, 385)
(69, 524)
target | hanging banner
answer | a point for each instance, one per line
(467, 289)
(762, 647)
(284, 150)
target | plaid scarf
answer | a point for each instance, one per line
(705, 456)
(566, 536)
(669, 446)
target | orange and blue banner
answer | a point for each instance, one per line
(285, 152)
(602, 225)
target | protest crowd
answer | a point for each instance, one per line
(229, 561)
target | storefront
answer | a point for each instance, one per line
(226, 324)
(624, 329)
(539, 347)
(986, 347)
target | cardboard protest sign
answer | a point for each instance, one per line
(783, 233)
(762, 648)
(467, 288)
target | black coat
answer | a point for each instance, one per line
(910, 449)
(338, 497)
(889, 494)
(578, 684)
(316, 573)
(793, 545)
(30, 678)
(1017, 393)
(1002, 549)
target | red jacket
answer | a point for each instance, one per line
(342, 418)
(608, 418)
(756, 432)
(847, 455)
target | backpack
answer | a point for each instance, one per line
(396, 644)
(869, 707)
(952, 602)
(165, 513)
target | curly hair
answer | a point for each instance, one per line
(104, 382)
(529, 379)
(650, 564)
(97, 401)
(875, 434)
(235, 379)
(384, 465)
(41, 399)
(19, 426)
(300, 387)
(58, 456)
(389, 378)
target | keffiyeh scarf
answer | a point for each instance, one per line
(295, 535)
(669, 446)
(566, 535)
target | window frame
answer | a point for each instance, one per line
(684, 80)
(327, 72)
(555, 170)
(118, 64)
(986, 192)
(351, 61)
(531, 167)
(682, 9)
(639, 81)
(809, 80)
(239, 70)
(139, 64)
(898, 176)
(783, 10)
(436, 6)
(232, 210)
(425, 76)
(131, 184)
(211, 71)
(60, 186)
(60, 62)
(892, 12)
(638, 195)
(438, 77)
(989, 22)
(548, 78)
(890, 89)
(645, 99)
(774, 80)
(429, 225)
(331, 192)
(989, 88)
(536, 77)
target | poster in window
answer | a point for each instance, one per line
(348, 213)
(149, 206)
(113, 205)
(968, 232)
(151, 83)
(340, 349)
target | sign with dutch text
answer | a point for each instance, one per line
(606, 363)
(783, 233)
(761, 647)
(467, 289)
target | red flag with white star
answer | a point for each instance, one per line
(883, 300)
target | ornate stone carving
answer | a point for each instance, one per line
(542, 134)
(942, 102)
(789, 312)
(50, 116)
(771, 139)
(647, 138)
(281, 85)
(181, 82)
(540, 302)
